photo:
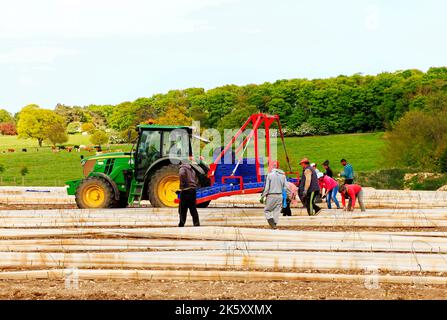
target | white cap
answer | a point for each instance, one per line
(320, 175)
(313, 165)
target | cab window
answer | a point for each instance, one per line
(149, 148)
(176, 143)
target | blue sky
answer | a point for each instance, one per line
(79, 52)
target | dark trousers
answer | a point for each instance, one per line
(349, 181)
(287, 211)
(309, 202)
(188, 201)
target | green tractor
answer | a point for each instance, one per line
(148, 172)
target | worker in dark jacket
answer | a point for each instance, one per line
(309, 187)
(188, 185)
(328, 169)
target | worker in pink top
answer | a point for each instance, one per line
(352, 192)
(328, 187)
(291, 192)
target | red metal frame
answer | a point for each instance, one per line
(256, 120)
(241, 180)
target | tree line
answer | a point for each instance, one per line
(343, 104)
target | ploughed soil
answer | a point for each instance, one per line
(184, 290)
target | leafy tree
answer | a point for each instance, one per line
(35, 123)
(88, 127)
(124, 135)
(99, 137)
(5, 116)
(145, 110)
(175, 116)
(8, 129)
(418, 140)
(72, 114)
(74, 127)
(100, 114)
(124, 116)
(237, 117)
(56, 134)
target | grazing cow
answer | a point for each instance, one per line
(62, 148)
(24, 150)
(69, 149)
(11, 150)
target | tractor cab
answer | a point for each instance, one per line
(158, 155)
(160, 142)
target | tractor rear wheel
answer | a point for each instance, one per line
(94, 192)
(163, 185)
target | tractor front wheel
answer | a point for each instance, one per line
(94, 192)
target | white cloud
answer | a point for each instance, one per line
(34, 55)
(86, 18)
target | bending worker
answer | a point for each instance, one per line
(275, 185)
(309, 187)
(331, 188)
(291, 192)
(352, 192)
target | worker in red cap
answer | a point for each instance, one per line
(309, 187)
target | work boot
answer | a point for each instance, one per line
(272, 223)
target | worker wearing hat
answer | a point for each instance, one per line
(309, 187)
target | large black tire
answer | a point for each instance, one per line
(153, 185)
(204, 181)
(94, 193)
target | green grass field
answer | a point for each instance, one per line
(363, 151)
(47, 168)
(14, 142)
